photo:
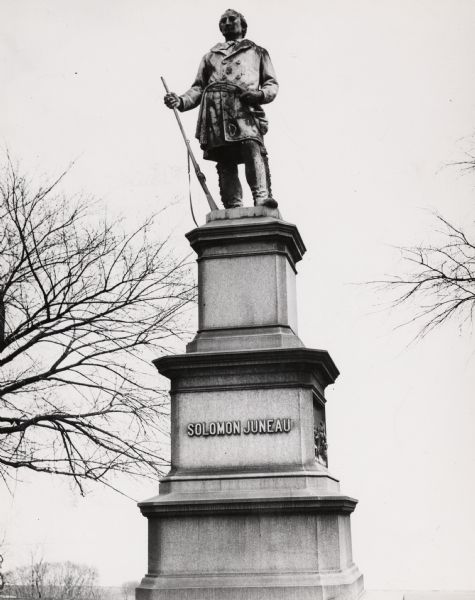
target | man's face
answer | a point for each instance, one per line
(230, 25)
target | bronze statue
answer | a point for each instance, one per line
(234, 78)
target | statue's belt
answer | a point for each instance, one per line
(221, 86)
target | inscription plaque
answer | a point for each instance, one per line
(251, 426)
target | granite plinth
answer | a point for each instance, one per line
(261, 548)
(243, 212)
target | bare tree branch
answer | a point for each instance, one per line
(83, 308)
(2, 576)
(441, 280)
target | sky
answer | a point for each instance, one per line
(376, 100)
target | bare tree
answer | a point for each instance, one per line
(83, 305)
(54, 581)
(128, 590)
(441, 281)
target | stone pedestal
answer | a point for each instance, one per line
(249, 509)
(246, 279)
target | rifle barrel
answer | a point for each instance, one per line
(200, 176)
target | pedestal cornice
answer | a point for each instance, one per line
(270, 234)
(283, 366)
(168, 506)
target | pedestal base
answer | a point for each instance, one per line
(267, 544)
(346, 585)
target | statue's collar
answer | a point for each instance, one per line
(232, 46)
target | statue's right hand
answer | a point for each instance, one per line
(172, 100)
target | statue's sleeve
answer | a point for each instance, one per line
(268, 83)
(192, 97)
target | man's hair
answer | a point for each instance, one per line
(241, 17)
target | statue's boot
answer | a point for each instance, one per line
(229, 184)
(258, 174)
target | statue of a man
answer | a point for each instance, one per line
(234, 78)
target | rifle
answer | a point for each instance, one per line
(199, 174)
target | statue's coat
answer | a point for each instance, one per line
(225, 72)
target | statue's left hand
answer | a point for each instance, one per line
(252, 97)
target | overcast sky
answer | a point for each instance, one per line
(376, 98)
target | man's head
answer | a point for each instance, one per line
(233, 25)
